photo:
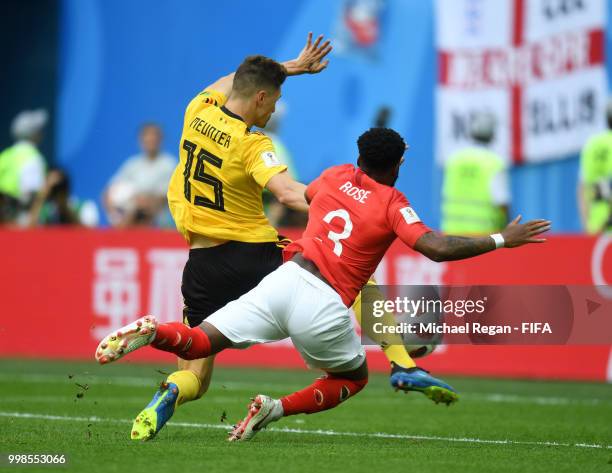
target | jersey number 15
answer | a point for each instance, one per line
(201, 176)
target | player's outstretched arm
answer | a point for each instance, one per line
(309, 61)
(289, 192)
(439, 247)
(223, 85)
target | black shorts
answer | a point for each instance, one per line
(215, 276)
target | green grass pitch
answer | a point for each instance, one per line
(498, 425)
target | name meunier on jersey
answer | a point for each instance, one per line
(208, 130)
(216, 188)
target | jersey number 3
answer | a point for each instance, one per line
(201, 176)
(346, 232)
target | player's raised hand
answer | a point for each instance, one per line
(518, 234)
(311, 58)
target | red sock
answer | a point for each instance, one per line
(188, 343)
(321, 395)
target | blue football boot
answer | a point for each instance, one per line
(153, 417)
(418, 379)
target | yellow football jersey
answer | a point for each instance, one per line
(216, 188)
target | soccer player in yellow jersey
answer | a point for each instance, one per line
(215, 200)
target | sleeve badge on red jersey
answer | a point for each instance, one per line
(409, 215)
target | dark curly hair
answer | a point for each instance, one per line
(380, 149)
(256, 73)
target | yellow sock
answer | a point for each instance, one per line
(398, 355)
(188, 385)
(391, 343)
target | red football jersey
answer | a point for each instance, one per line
(351, 222)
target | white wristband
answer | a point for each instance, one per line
(498, 239)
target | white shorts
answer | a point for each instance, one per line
(292, 302)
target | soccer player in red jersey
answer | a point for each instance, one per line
(355, 215)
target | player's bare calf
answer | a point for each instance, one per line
(127, 339)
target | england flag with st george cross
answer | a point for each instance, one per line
(537, 65)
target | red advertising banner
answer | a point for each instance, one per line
(63, 289)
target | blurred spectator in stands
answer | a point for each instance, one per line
(278, 214)
(136, 194)
(22, 167)
(595, 181)
(54, 204)
(383, 117)
(476, 189)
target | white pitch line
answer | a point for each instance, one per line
(539, 400)
(384, 435)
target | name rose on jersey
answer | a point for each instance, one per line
(360, 195)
